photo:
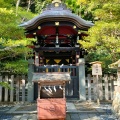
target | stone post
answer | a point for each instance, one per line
(30, 97)
(82, 86)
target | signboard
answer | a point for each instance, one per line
(96, 69)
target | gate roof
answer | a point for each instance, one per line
(57, 11)
(51, 77)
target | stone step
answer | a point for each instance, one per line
(16, 117)
(70, 107)
(24, 117)
(32, 117)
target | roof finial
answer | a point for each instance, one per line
(58, 1)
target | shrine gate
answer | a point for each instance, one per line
(57, 32)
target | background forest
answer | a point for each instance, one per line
(103, 42)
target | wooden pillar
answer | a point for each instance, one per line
(30, 97)
(64, 90)
(89, 87)
(100, 88)
(73, 59)
(82, 86)
(39, 89)
(17, 88)
(77, 57)
(41, 60)
(37, 58)
(12, 88)
(95, 87)
(6, 90)
(106, 88)
(23, 88)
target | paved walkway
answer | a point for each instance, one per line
(75, 111)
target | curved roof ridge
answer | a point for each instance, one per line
(61, 12)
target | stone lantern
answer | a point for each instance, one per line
(116, 99)
(118, 74)
(116, 65)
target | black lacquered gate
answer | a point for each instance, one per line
(72, 88)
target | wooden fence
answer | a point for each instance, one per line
(104, 87)
(18, 84)
(18, 91)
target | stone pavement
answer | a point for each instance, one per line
(76, 110)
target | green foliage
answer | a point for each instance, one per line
(79, 7)
(6, 85)
(13, 44)
(103, 41)
(40, 5)
(109, 12)
(5, 3)
(14, 56)
(16, 67)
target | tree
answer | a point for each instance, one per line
(40, 5)
(13, 44)
(79, 7)
(104, 38)
(102, 43)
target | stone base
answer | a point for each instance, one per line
(116, 101)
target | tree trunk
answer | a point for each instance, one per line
(17, 4)
(29, 3)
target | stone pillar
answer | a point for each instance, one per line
(30, 97)
(82, 86)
